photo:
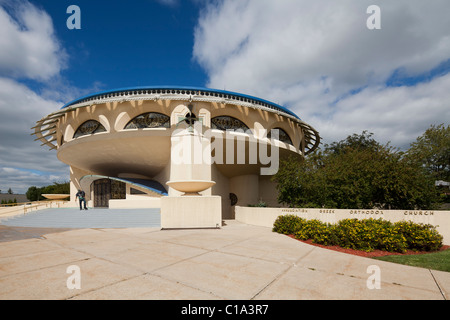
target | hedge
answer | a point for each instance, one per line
(366, 234)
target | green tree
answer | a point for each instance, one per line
(35, 194)
(357, 172)
(432, 150)
(363, 141)
(62, 188)
(298, 182)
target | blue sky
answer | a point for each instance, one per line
(317, 58)
(125, 44)
(398, 78)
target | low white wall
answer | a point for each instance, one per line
(135, 203)
(12, 211)
(266, 216)
(191, 212)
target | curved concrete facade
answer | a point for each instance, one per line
(131, 134)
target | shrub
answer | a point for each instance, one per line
(288, 224)
(420, 237)
(318, 231)
(366, 234)
(384, 236)
(369, 235)
(309, 228)
(353, 234)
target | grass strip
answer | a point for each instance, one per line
(435, 260)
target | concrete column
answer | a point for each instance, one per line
(190, 158)
(190, 176)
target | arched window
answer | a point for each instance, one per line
(89, 127)
(228, 123)
(282, 136)
(149, 120)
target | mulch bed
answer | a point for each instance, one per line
(375, 253)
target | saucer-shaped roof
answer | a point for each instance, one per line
(45, 129)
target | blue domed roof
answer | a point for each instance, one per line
(186, 90)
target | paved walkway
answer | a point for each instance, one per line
(237, 261)
(85, 219)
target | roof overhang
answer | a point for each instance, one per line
(46, 133)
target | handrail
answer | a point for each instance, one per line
(29, 206)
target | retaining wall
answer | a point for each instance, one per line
(266, 216)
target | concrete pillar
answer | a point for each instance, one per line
(190, 175)
(190, 159)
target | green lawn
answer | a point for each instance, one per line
(436, 260)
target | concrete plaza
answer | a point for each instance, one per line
(236, 262)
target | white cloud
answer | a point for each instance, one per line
(309, 55)
(29, 47)
(244, 43)
(396, 114)
(20, 180)
(29, 50)
(21, 108)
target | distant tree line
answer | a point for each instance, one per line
(9, 191)
(9, 201)
(360, 173)
(35, 194)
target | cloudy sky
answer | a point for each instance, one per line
(316, 57)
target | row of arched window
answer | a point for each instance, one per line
(159, 120)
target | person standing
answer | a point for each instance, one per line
(82, 198)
